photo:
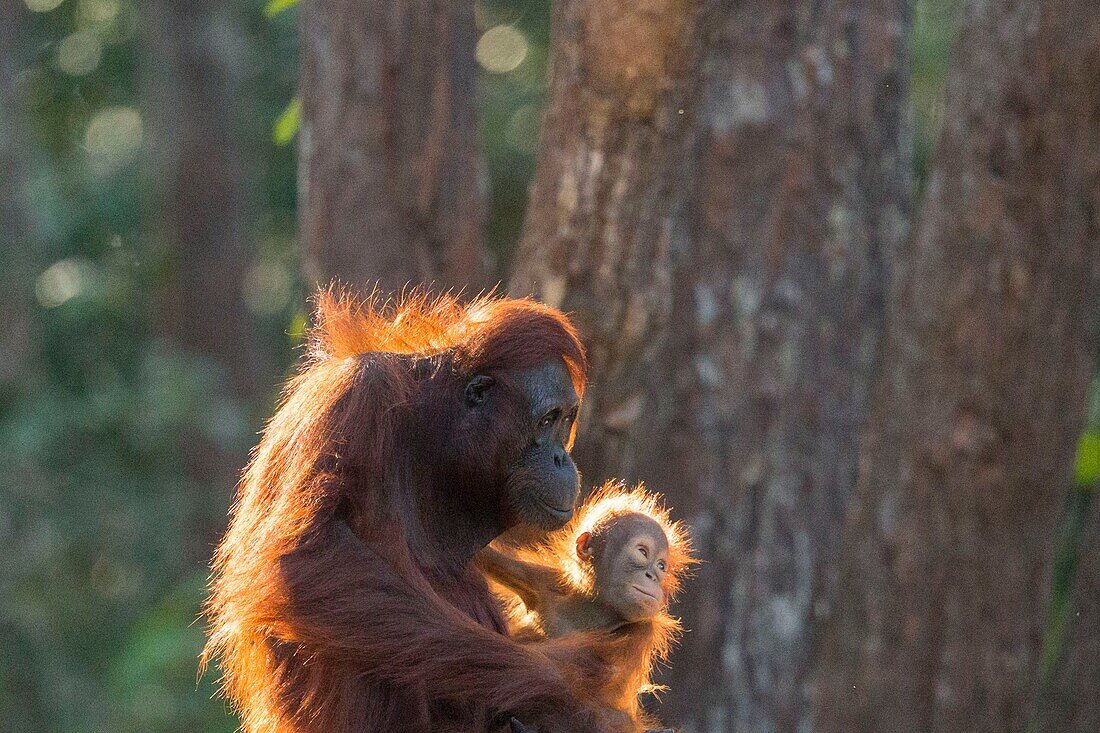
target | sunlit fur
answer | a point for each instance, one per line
(288, 624)
(481, 331)
(639, 646)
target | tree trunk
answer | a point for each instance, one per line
(949, 545)
(802, 197)
(612, 172)
(201, 225)
(745, 412)
(392, 182)
(201, 202)
(17, 280)
(1074, 695)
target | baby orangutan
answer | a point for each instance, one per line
(612, 570)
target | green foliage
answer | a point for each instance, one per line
(286, 127)
(274, 7)
(1088, 459)
(511, 109)
(933, 33)
(106, 539)
(1069, 547)
(1065, 568)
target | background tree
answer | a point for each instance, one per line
(608, 186)
(799, 196)
(15, 226)
(204, 207)
(20, 699)
(1071, 702)
(204, 210)
(392, 175)
(949, 547)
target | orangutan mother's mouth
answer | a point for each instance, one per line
(555, 511)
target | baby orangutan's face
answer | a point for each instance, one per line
(630, 563)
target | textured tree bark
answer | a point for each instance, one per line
(612, 173)
(17, 281)
(1074, 695)
(733, 335)
(802, 197)
(201, 202)
(392, 182)
(948, 549)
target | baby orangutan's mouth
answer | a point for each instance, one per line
(644, 593)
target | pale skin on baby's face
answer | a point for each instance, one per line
(630, 565)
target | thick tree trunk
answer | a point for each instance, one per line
(802, 198)
(612, 172)
(733, 339)
(392, 183)
(948, 550)
(17, 279)
(201, 203)
(1074, 695)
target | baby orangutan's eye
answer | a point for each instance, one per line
(644, 551)
(661, 565)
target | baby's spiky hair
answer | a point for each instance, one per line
(645, 643)
(607, 503)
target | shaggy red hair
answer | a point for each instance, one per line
(321, 615)
(638, 647)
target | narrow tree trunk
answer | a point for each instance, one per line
(949, 545)
(200, 221)
(613, 170)
(201, 205)
(17, 279)
(1074, 694)
(802, 197)
(21, 698)
(392, 183)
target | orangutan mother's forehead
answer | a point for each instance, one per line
(548, 385)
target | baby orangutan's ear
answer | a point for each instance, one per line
(584, 546)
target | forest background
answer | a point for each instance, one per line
(836, 264)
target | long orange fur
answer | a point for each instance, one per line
(321, 625)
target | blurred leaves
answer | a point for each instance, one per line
(286, 127)
(933, 34)
(106, 540)
(1088, 459)
(274, 7)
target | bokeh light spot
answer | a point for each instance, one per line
(113, 138)
(79, 53)
(97, 12)
(267, 288)
(522, 130)
(501, 49)
(61, 282)
(43, 6)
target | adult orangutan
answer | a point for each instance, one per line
(413, 434)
